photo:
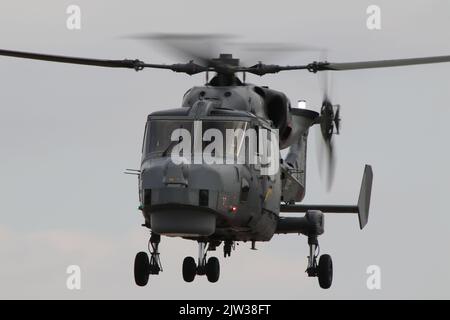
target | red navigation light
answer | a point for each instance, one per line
(233, 209)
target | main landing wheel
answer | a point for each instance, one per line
(189, 269)
(141, 269)
(325, 271)
(213, 269)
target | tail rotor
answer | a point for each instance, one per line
(330, 124)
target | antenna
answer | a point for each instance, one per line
(133, 172)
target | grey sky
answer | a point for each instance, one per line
(67, 132)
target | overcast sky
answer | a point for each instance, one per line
(68, 132)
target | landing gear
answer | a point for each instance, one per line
(143, 266)
(155, 262)
(189, 269)
(210, 267)
(324, 269)
(227, 247)
(213, 269)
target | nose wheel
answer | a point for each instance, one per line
(189, 269)
(210, 267)
(213, 269)
(145, 266)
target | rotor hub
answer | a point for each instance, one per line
(226, 59)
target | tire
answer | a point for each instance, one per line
(325, 271)
(141, 269)
(189, 269)
(213, 269)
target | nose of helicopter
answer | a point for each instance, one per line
(188, 200)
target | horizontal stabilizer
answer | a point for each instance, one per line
(361, 208)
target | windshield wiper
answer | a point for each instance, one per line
(171, 145)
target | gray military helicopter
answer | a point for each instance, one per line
(216, 204)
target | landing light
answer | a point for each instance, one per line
(301, 104)
(233, 209)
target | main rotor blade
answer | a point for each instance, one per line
(188, 68)
(321, 66)
(74, 60)
(262, 69)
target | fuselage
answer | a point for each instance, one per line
(220, 200)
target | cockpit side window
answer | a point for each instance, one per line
(144, 140)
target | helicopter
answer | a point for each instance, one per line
(224, 203)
